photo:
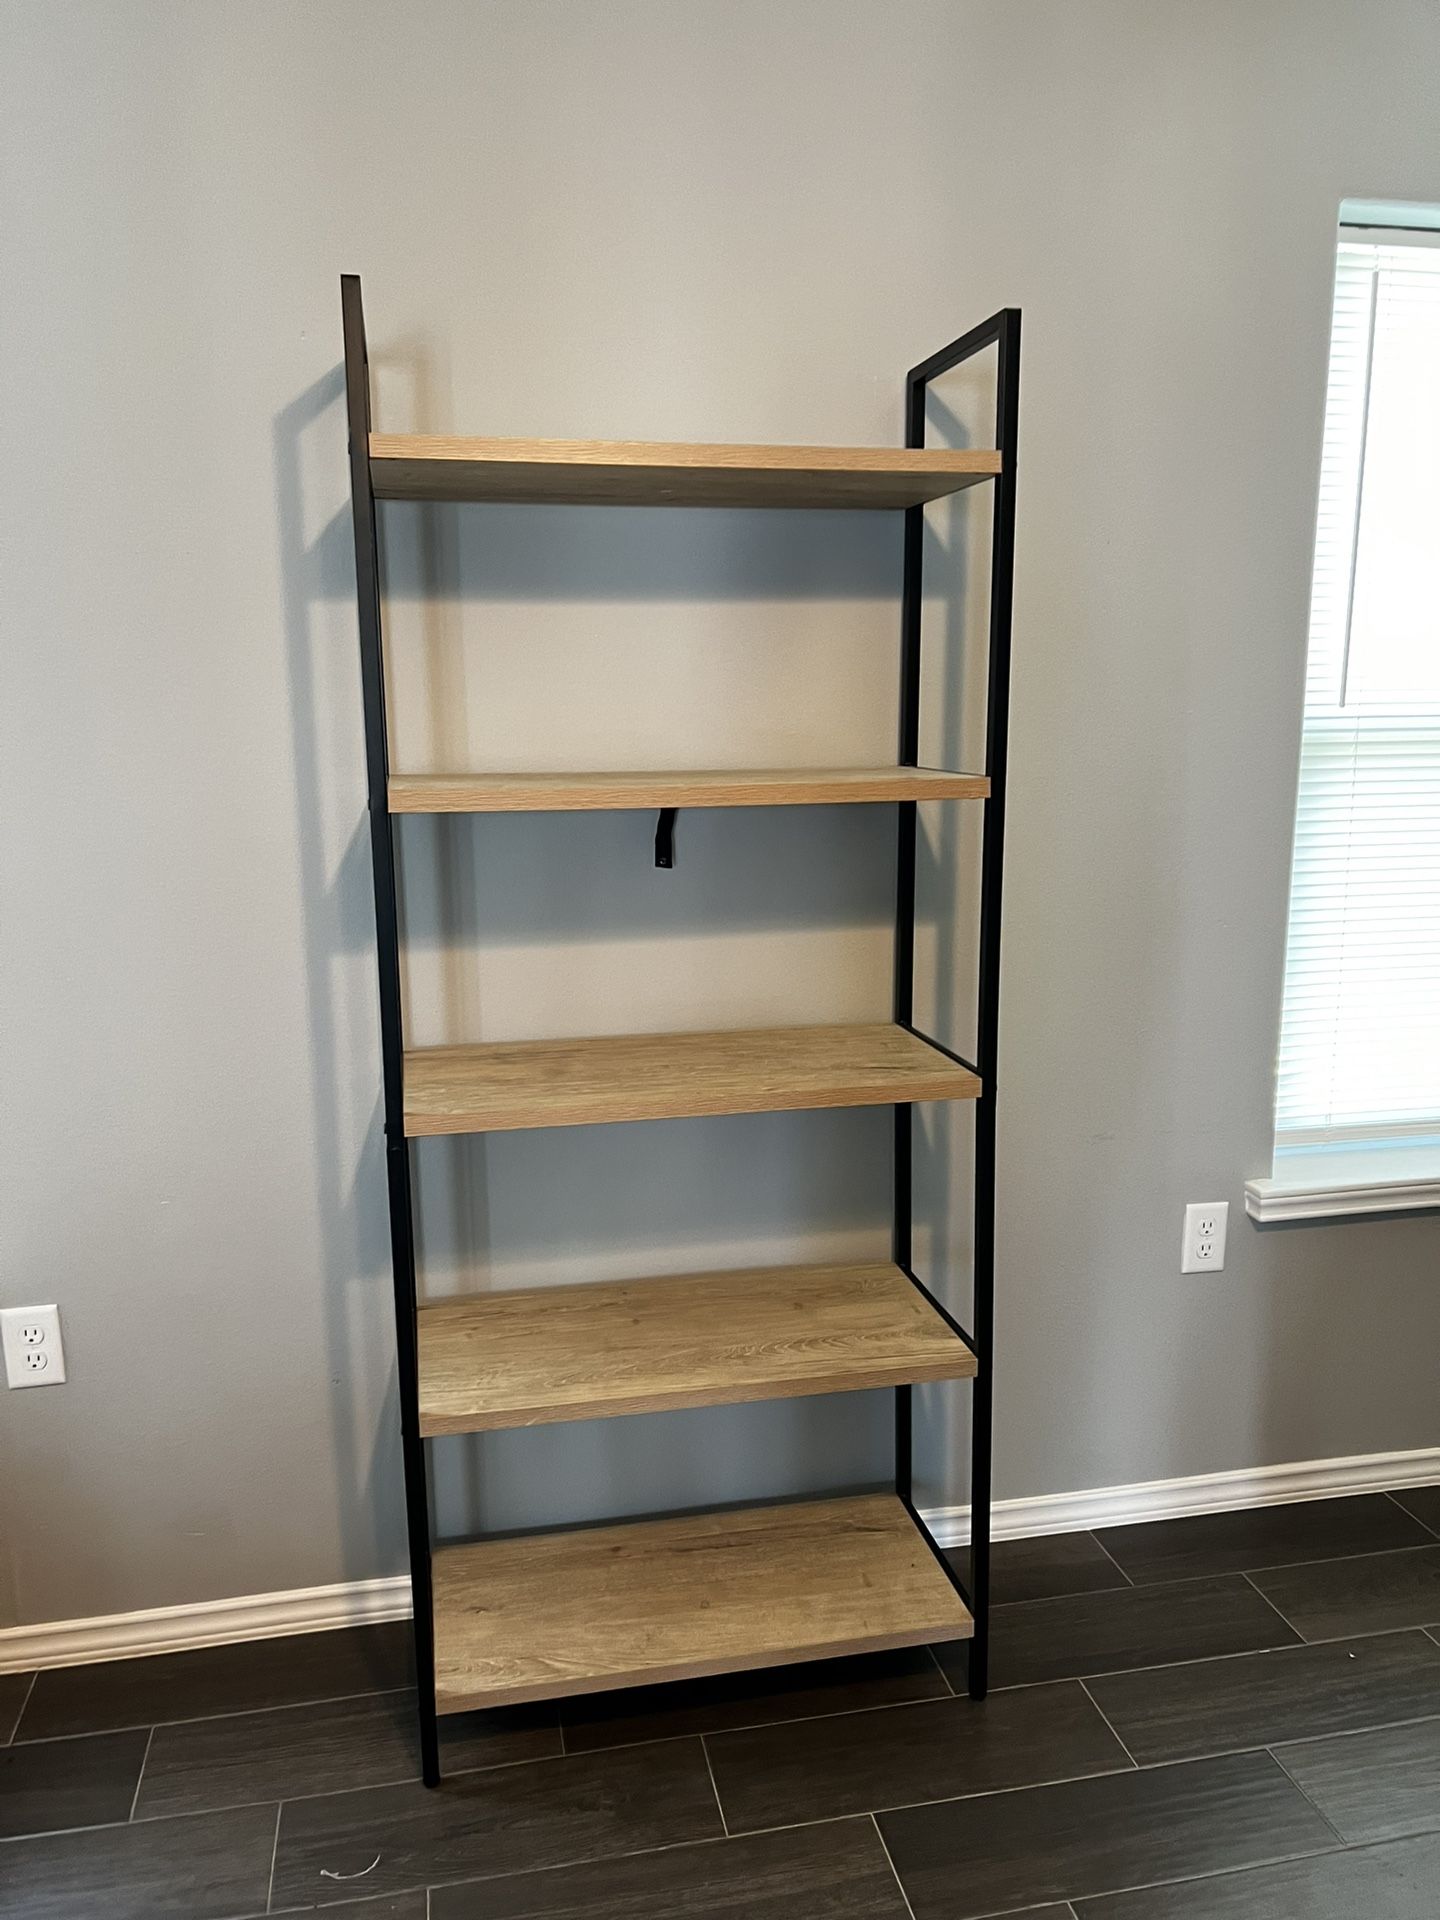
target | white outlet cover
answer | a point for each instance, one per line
(34, 1355)
(1202, 1248)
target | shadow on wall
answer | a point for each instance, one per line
(592, 1203)
(339, 927)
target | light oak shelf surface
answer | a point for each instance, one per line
(539, 1354)
(509, 1084)
(601, 792)
(544, 1615)
(646, 473)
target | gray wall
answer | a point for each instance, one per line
(699, 220)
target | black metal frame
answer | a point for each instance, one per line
(392, 1038)
(1001, 331)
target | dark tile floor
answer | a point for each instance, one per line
(1233, 1717)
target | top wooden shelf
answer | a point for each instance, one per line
(647, 473)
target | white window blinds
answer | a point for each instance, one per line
(1358, 1084)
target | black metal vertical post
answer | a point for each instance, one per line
(1003, 332)
(987, 1046)
(392, 1041)
(908, 756)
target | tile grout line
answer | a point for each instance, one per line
(1221, 1573)
(945, 1678)
(135, 1797)
(889, 1861)
(198, 1719)
(1258, 1746)
(794, 1720)
(1334, 1559)
(560, 1866)
(365, 1786)
(1293, 1625)
(1300, 1645)
(1350, 1733)
(1396, 1501)
(985, 1793)
(719, 1803)
(1109, 1723)
(1072, 1779)
(1186, 1880)
(1111, 1558)
(1274, 1566)
(1318, 1810)
(23, 1705)
(274, 1850)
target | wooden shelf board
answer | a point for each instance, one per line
(597, 792)
(540, 1354)
(538, 1617)
(509, 1084)
(645, 473)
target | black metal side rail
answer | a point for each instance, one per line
(392, 1040)
(1001, 331)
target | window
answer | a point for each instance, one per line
(1357, 1106)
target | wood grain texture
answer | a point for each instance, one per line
(614, 792)
(507, 1084)
(690, 1340)
(545, 1615)
(647, 473)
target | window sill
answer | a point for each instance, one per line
(1274, 1200)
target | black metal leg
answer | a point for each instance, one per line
(1003, 332)
(392, 1041)
(997, 725)
(417, 1500)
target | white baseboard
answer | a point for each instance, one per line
(1204, 1493)
(353, 1603)
(209, 1623)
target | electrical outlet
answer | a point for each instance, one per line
(1202, 1250)
(34, 1356)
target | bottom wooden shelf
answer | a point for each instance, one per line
(543, 1615)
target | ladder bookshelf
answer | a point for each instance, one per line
(537, 1617)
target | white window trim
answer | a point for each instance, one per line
(1335, 1185)
(1273, 1200)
